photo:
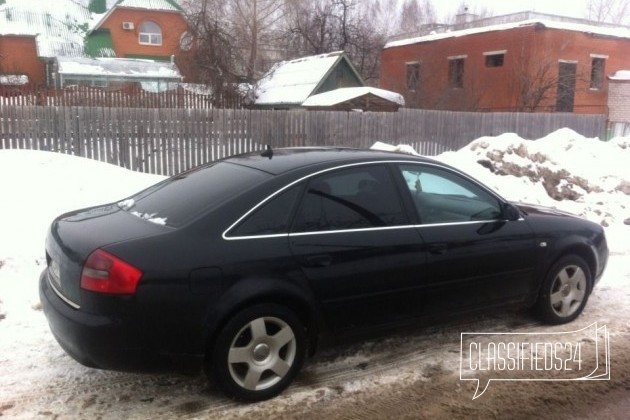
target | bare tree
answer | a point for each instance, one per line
(613, 11)
(254, 23)
(539, 84)
(214, 58)
(415, 15)
(321, 26)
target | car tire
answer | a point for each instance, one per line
(258, 352)
(565, 291)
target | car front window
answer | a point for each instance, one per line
(441, 196)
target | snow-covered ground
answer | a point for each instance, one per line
(564, 170)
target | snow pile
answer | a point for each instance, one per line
(38, 186)
(564, 170)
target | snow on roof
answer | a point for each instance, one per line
(162, 5)
(13, 79)
(117, 67)
(150, 4)
(337, 96)
(291, 82)
(59, 28)
(620, 75)
(617, 32)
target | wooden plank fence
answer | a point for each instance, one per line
(167, 141)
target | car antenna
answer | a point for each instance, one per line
(268, 152)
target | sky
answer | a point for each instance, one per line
(572, 8)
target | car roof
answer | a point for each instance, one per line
(288, 159)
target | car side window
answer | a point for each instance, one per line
(441, 196)
(271, 218)
(353, 198)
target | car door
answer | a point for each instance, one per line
(354, 243)
(475, 257)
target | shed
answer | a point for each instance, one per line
(289, 83)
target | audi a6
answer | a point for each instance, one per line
(238, 267)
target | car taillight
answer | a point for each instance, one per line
(106, 273)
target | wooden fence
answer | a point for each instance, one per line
(131, 96)
(167, 141)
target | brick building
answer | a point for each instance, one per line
(34, 33)
(619, 103)
(521, 62)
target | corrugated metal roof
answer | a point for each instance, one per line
(150, 4)
(122, 68)
(291, 82)
(59, 27)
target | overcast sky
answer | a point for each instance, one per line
(573, 8)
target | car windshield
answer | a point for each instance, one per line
(186, 196)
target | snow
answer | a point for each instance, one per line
(620, 75)
(13, 79)
(334, 97)
(616, 32)
(57, 26)
(291, 82)
(587, 177)
(148, 4)
(123, 67)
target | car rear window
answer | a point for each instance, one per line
(188, 195)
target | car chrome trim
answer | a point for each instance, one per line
(286, 187)
(58, 293)
(328, 232)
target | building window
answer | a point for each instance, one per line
(494, 60)
(597, 72)
(456, 72)
(150, 34)
(413, 76)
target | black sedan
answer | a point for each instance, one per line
(240, 266)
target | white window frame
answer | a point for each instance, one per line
(149, 38)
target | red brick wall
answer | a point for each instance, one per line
(19, 56)
(528, 50)
(126, 43)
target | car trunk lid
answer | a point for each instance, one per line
(73, 236)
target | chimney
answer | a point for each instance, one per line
(465, 17)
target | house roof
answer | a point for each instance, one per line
(58, 28)
(365, 98)
(162, 5)
(291, 82)
(620, 75)
(616, 32)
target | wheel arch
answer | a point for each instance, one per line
(571, 247)
(250, 292)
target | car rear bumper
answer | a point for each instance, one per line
(95, 340)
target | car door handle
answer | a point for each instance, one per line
(438, 249)
(323, 260)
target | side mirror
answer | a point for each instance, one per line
(511, 212)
